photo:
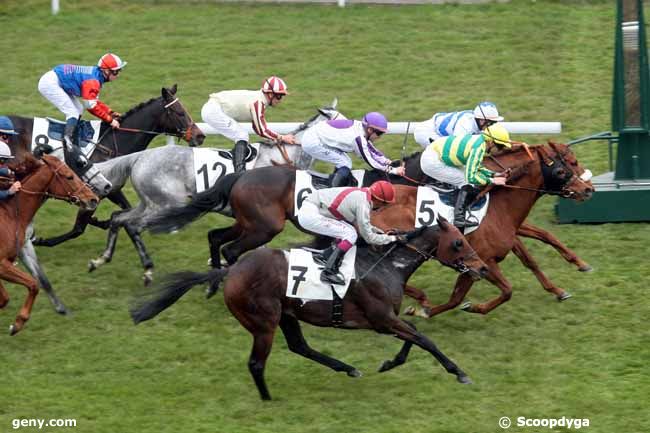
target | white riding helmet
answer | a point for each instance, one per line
(488, 111)
(5, 152)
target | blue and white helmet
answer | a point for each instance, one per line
(488, 111)
(7, 126)
(5, 152)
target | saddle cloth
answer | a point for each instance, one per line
(303, 279)
(212, 164)
(307, 182)
(48, 131)
(431, 203)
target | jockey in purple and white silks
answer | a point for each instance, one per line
(331, 141)
(458, 123)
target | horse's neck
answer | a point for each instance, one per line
(28, 203)
(145, 119)
(395, 269)
(118, 170)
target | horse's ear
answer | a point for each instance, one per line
(442, 223)
(169, 93)
(173, 89)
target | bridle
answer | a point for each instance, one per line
(459, 264)
(71, 196)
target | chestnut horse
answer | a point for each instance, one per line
(553, 170)
(48, 177)
(255, 294)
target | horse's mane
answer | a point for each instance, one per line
(25, 167)
(139, 107)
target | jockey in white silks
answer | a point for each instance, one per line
(224, 110)
(331, 141)
(457, 123)
(335, 212)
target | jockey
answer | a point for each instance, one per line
(335, 212)
(72, 88)
(6, 130)
(457, 161)
(330, 141)
(458, 123)
(225, 109)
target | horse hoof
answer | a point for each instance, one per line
(13, 329)
(385, 366)
(147, 277)
(210, 292)
(467, 306)
(92, 266)
(354, 373)
(61, 310)
(564, 296)
(464, 379)
(410, 310)
(585, 268)
(210, 262)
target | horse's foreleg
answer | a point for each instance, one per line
(420, 297)
(82, 221)
(111, 242)
(533, 232)
(27, 256)
(405, 332)
(495, 277)
(11, 273)
(119, 199)
(463, 283)
(297, 344)
(4, 296)
(524, 256)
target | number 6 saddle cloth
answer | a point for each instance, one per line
(303, 279)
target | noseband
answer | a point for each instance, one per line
(72, 195)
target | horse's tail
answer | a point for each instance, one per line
(148, 305)
(213, 199)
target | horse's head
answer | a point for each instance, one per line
(177, 120)
(563, 174)
(451, 249)
(66, 185)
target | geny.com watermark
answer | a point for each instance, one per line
(40, 423)
(522, 421)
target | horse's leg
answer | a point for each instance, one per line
(262, 344)
(297, 344)
(146, 261)
(495, 277)
(406, 332)
(13, 274)
(218, 237)
(420, 297)
(401, 356)
(111, 241)
(463, 284)
(27, 256)
(4, 296)
(521, 251)
(249, 240)
(83, 219)
(119, 199)
(533, 232)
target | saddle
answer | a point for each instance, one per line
(323, 181)
(84, 132)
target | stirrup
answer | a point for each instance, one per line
(332, 278)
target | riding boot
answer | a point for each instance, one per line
(71, 143)
(321, 258)
(340, 177)
(331, 272)
(239, 156)
(465, 197)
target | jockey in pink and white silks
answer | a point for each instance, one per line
(335, 212)
(457, 123)
(224, 110)
(332, 140)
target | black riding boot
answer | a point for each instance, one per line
(239, 156)
(340, 177)
(321, 259)
(465, 196)
(331, 272)
(71, 143)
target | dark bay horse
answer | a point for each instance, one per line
(554, 170)
(139, 126)
(48, 177)
(255, 294)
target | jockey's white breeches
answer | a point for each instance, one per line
(311, 219)
(213, 115)
(50, 88)
(424, 132)
(312, 146)
(434, 167)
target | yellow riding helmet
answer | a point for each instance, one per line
(499, 134)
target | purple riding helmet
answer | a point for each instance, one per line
(376, 121)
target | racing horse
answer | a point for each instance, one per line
(553, 170)
(48, 177)
(139, 126)
(166, 177)
(255, 294)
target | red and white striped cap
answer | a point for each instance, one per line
(275, 85)
(111, 61)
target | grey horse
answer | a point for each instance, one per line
(165, 177)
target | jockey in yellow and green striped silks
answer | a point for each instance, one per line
(467, 151)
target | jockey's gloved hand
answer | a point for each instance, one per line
(396, 163)
(402, 239)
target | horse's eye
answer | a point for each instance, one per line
(458, 244)
(71, 177)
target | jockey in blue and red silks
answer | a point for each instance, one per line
(73, 88)
(331, 141)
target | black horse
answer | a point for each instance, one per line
(255, 294)
(139, 126)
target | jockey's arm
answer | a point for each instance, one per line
(90, 99)
(260, 127)
(373, 156)
(368, 232)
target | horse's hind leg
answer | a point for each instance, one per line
(401, 356)
(248, 241)
(146, 261)
(533, 232)
(297, 344)
(4, 296)
(522, 252)
(218, 237)
(11, 273)
(28, 257)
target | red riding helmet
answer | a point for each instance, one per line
(275, 85)
(383, 191)
(111, 61)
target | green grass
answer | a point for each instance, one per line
(186, 370)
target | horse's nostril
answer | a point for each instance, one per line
(483, 271)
